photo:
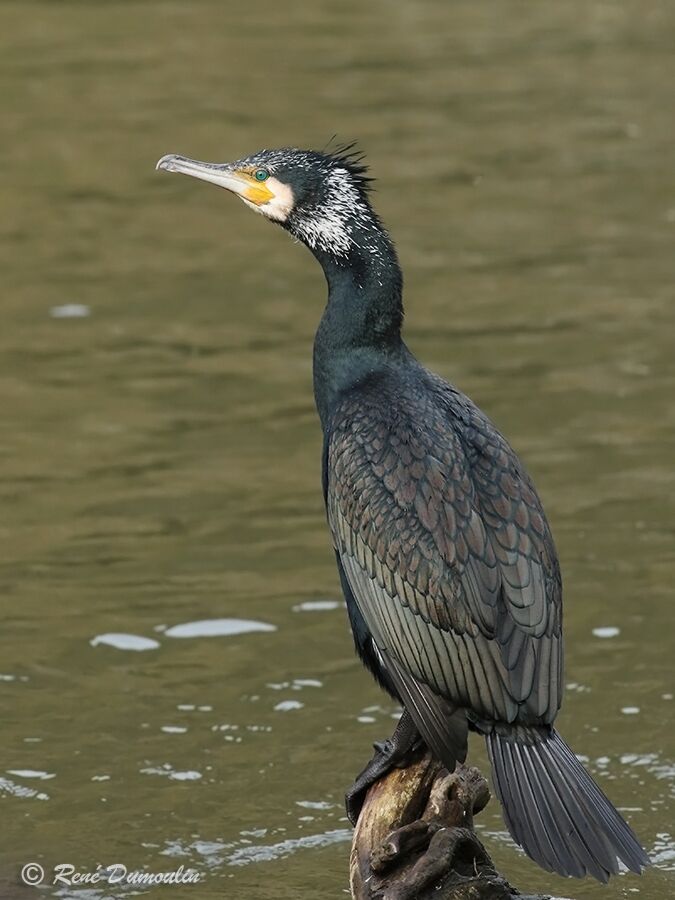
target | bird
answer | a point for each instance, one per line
(445, 556)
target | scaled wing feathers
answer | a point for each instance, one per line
(446, 549)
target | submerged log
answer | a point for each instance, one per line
(414, 839)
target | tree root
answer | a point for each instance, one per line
(414, 839)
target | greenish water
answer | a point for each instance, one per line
(159, 455)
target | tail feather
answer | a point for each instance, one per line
(582, 849)
(602, 829)
(549, 819)
(556, 812)
(599, 806)
(523, 797)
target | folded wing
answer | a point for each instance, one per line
(447, 551)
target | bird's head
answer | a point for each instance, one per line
(321, 198)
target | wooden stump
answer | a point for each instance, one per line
(414, 839)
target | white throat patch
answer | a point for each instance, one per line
(281, 205)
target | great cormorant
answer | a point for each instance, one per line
(444, 552)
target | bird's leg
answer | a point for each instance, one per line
(396, 752)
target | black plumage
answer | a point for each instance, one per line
(445, 555)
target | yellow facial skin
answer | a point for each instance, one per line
(254, 191)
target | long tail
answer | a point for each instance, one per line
(556, 812)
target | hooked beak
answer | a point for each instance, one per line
(220, 174)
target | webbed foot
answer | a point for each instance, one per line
(396, 752)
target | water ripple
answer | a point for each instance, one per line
(217, 628)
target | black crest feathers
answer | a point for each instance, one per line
(352, 158)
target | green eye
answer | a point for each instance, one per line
(261, 175)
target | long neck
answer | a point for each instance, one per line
(360, 330)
